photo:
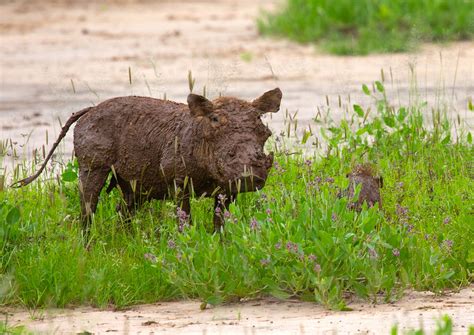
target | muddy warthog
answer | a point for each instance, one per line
(369, 190)
(155, 147)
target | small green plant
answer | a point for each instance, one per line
(246, 56)
(365, 26)
(444, 326)
(7, 329)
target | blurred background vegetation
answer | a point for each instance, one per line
(360, 27)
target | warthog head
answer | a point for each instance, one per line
(233, 139)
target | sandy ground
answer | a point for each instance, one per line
(60, 56)
(416, 310)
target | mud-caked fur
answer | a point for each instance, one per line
(153, 147)
(369, 190)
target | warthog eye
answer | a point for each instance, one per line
(214, 118)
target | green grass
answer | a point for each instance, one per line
(305, 242)
(13, 330)
(444, 326)
(348, 27)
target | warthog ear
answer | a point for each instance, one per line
(199, 106)
(269, 102)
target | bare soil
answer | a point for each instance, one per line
(268, 316)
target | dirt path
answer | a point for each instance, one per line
(415, 310)
(60, 56)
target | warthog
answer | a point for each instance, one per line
(369, 189)
(155, 147)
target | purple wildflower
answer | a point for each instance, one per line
(150, 257)
(218, 210)
(278, 167)
(182, 226)
(265, 261)
(171, 244)
(182, 218)
(400, 184)
(448, 244)
(317, 268)
(253, 224)
(447, 220)
(427, 237)
(308, 162)
(329, 180)
(181, 213)
(227, 214)
(333, 216)
(396, 252)
(373, 253)
(312, 257)
(401, 211)
(292, 247)
(278, 246)
(318, 179)
(269, 211)
(179, 256)
(221, 198)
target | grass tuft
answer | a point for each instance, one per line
(347, 27)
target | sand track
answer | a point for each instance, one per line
(267, 316)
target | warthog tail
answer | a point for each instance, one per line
(74, 117)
